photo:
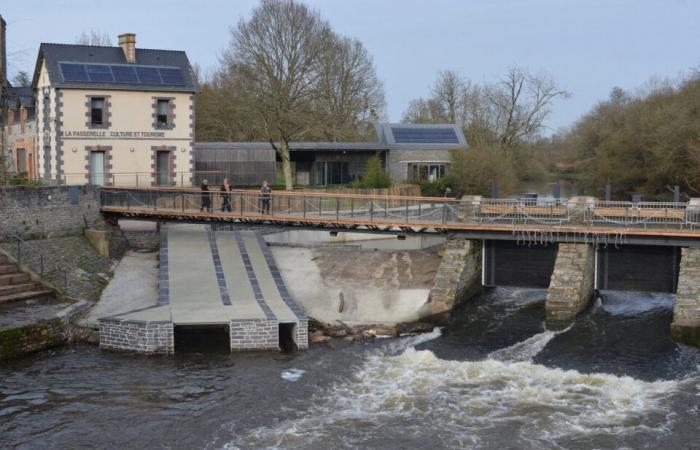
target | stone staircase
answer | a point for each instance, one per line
(16, 285)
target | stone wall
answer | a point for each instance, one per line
(139, 336)
(39, 212)
(303, 334)
(143, 240)
(34, 337)
(686, 313)
(457, 278)
(571, 287)
(254, 335)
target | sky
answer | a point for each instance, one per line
(587, 46)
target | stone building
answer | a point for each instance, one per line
(409, 152)
(113, 115)
(20, 133)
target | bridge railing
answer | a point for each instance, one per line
(640, 214)
(328, 207)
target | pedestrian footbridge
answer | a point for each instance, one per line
(211, 279)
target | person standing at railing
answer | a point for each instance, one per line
(225, 196)
(265, 193)
(206, 199)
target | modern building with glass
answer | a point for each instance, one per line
(409, 152)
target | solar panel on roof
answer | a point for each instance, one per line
(406, 135)
(99, 73)
(122, 74)
(73, 72)
(172, 76)
(148, 75)
(125, 74)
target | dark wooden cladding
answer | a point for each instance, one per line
(242, 167)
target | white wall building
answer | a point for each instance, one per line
(114, 115)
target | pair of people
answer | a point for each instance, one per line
(265, 195)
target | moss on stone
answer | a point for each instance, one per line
(686, 334)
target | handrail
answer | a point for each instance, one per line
(300, 194)
(42, 255)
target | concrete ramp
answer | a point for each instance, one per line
(212, 278)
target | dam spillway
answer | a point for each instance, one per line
(212, 279)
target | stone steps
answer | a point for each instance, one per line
(13, 278)
(25, 295)
(7, 268)
(18, 288)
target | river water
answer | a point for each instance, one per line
(494, 378)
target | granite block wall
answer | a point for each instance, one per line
(254, 335)
(143, 337)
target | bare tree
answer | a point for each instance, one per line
(448, 91)
(350, 96)
(423, 110)
(279, 52)
(21, 79)
(521, 103)
(94, 37)
(506, 113)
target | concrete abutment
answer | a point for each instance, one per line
(686, 313)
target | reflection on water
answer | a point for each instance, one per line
(494, 378)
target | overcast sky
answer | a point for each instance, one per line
(588, 46)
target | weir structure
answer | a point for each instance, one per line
(213, 283)
(571, 247)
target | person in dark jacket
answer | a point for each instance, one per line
(225, 196)
(206, 199)
(265, 193)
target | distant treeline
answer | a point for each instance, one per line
(644, 143)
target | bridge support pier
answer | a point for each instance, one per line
(458, 277)
(686, 313)
(571, 287)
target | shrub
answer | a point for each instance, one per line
(375, 177)
(434, 188)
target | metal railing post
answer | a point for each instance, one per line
(406, 210)
(241, 203)
(337, 208)
(371, 211)
(444, 212)
(182, 201)
(303, 204)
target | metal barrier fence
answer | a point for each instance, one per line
(641, 214)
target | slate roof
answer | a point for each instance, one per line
(53, 54)
(20, 96)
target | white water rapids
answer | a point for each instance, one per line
(468, 404)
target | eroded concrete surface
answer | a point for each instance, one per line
(358, 286)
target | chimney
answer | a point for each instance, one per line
(127, 42)
(3, 55)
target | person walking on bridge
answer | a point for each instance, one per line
(206, 199)
(265, 193)
(225, 196)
